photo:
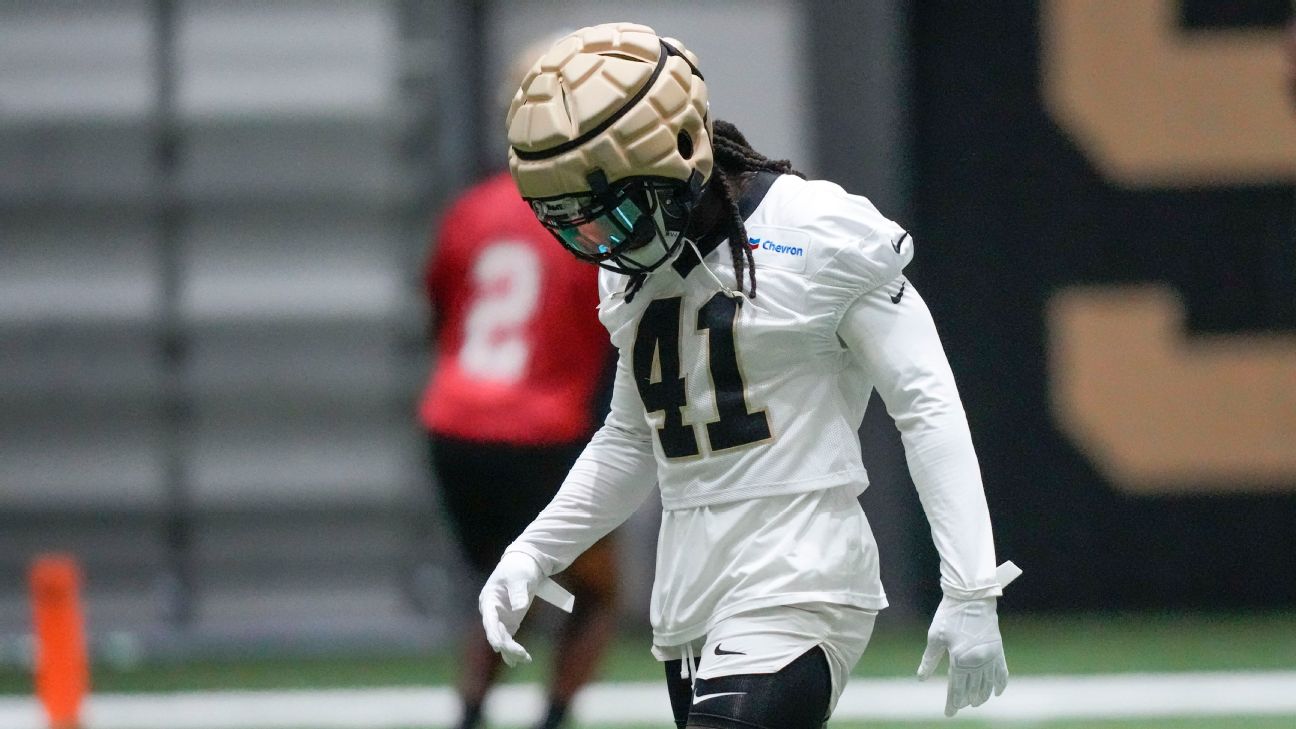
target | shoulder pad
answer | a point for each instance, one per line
(859, 248)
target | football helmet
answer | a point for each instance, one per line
(610, 142)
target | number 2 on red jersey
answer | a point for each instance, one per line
(506, 278)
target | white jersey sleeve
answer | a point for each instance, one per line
(610, 479)
(891, 332)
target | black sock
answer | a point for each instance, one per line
(471, 716)
(554, 719)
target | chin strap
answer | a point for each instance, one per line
(735, 295)
(632, 288)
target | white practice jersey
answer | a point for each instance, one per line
(746, 417)
(757, 397)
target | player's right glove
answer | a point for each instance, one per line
(504, 601)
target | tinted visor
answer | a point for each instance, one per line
(613, 230)
(624, 217)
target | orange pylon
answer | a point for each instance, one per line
(62, 666)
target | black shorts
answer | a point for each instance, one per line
(795, 697)
(492, 491)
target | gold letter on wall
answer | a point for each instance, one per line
(1151, 105)
(1159, 411)
(1156, 410)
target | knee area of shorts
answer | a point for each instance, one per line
(796, 697)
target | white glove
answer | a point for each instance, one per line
(504, 601)
(969, 631)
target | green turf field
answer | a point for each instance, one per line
(1195, 723)
(1035, 645)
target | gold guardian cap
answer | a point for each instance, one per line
(610, 142)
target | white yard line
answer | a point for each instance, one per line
(1029, 698)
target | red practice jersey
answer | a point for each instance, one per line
(520, 351)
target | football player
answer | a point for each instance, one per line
(753, 312)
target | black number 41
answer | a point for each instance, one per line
(657, 374)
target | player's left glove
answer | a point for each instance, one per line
(969, 631)
(504, 601)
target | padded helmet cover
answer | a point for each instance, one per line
(616, 98)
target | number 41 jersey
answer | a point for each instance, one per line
(754, 397)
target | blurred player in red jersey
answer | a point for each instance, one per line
(511, 402)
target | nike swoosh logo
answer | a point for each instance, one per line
(722, 652)
(896, 299)
(897, 243)
(699, 699)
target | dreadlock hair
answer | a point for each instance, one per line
(734, 157)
